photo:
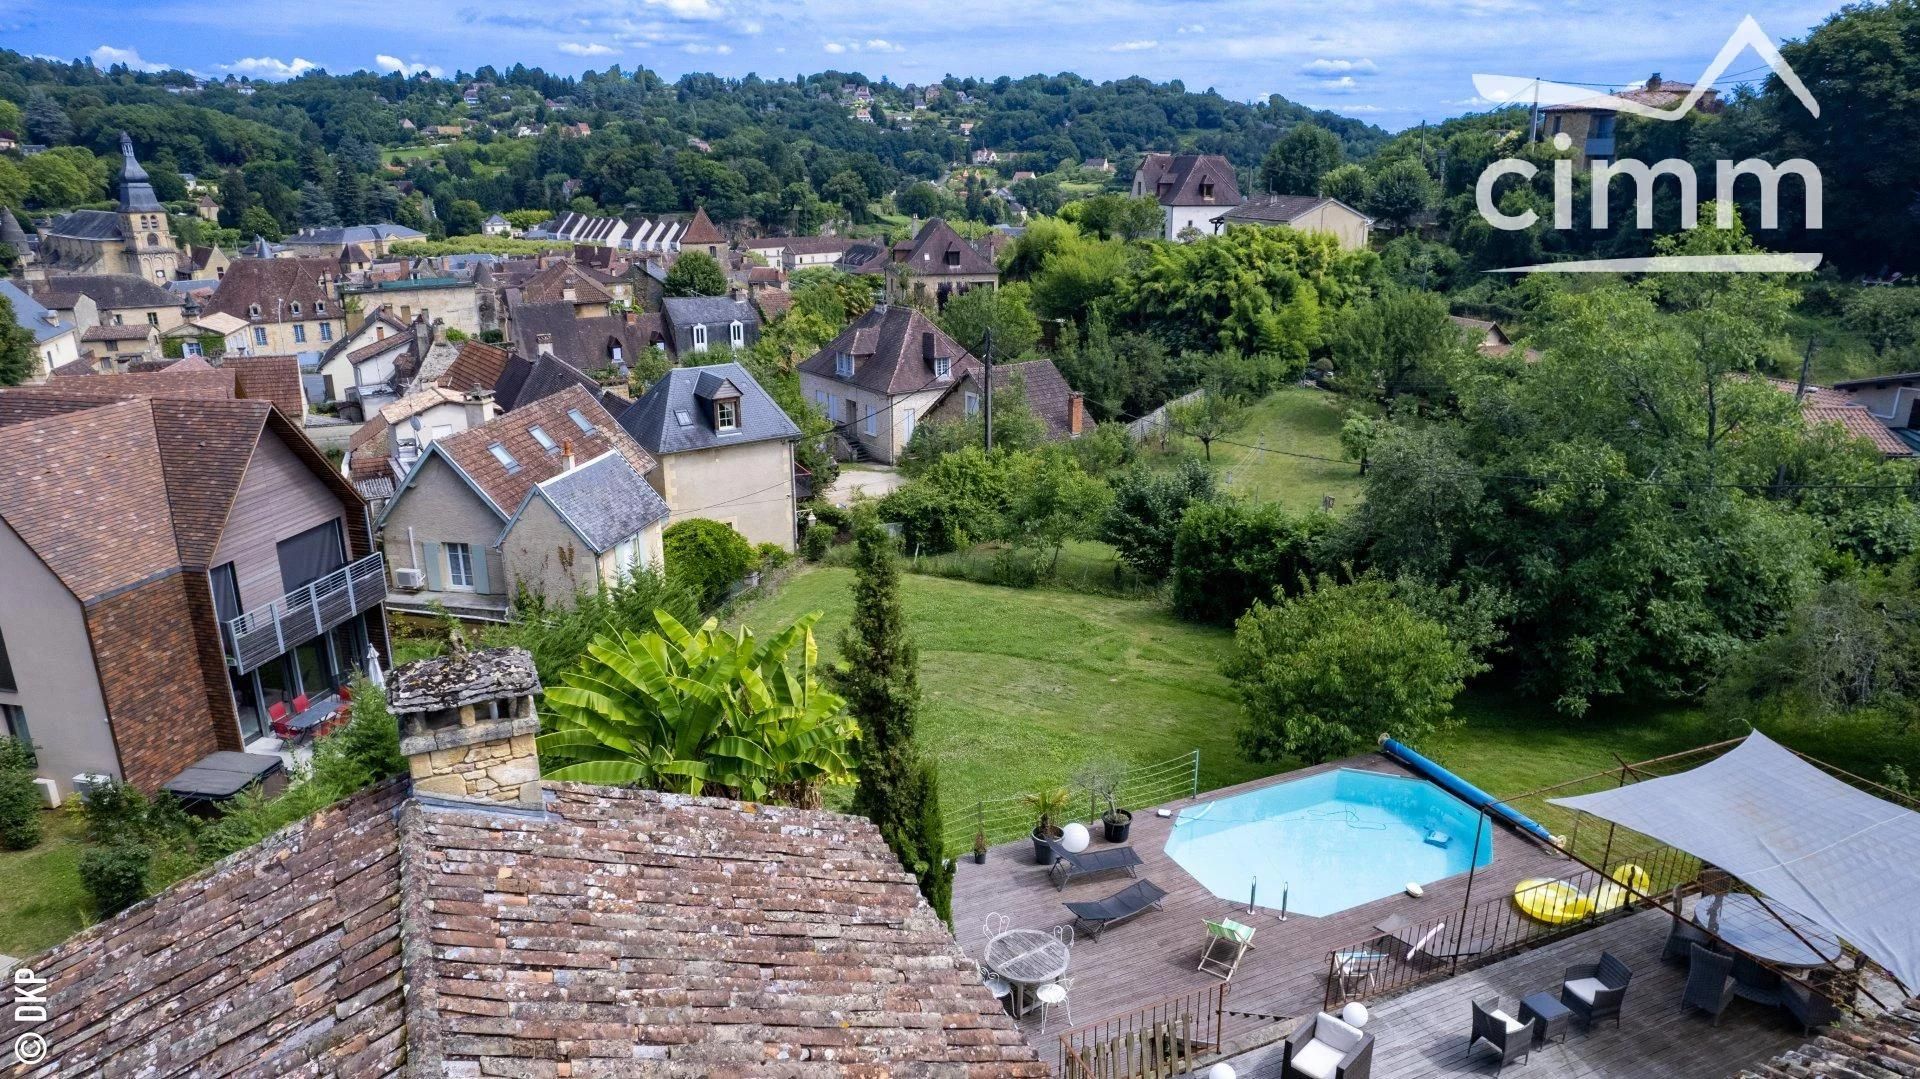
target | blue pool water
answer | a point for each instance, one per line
(1329, 841)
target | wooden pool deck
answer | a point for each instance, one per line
(1153, 957)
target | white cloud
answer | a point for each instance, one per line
(691, 9)
(107, 56)
(268, 67)
(834, 47)
(574, 48)
(880, 44)
(1324, 66)
(1193, 28)
(1345, 84)
(701, 49)
(394, 63)
(872, 44)
(1133, 46)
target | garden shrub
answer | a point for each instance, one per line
(817, 541)
(708, 556)
(19, 799)
(115, 875)
(771, 556)
(1226, 555)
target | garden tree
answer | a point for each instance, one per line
(258, 222)
(1258, 291)
(1402, 190)
(1852, 648)
(1398, 344)
(1121, 375)
(1420, 265)
(465, 218)
(1227, 554)
(701, 712)
(18, 359)
(1323, 672)
(1006, 312)
(64, 176)
(695, 273)
(1053, 500)
(1348, 183)
(47, 122)
(1144, 517)
(959, 499)
(316, 207)
(526, 219)
(1209, 416)
(708, 555)
(1074, 273)
(1889, 318)
(1015, 427)
(19, 798)
(1297, 162)
(922, 200)
(879, 676)
(1357, 437)
(777, 377)
(1116, 217)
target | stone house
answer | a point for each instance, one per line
(1192, 189)
(882, 376)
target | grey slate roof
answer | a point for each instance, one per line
(1176, 179)
(654, 420)
(604, 500)
(88, 225)
(136, 191)
(30, 313)
(1281, 208)
(107, 291)
(711, 310)
(341, 235)
(545, 376)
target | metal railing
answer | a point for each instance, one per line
(1175, 1036)
(1003, 820)
(304, 613)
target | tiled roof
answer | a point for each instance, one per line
(1176, 179)
(773, 303)
(137, 332)
(1282, 209)
(669, 419)
(478, 364)
(413, 404)
(275, 285)
(205, 385)
(889, 345)
(338, 235)
(585, 343)
(927, 254)
(604, 501)
(274, 379)
(1859, 423)
(701, 230)
(380, 345)
(513, 432)
(611, 932)
(546, 376)
(550, 285)
(1884, 1046)
(205, 447)
(109, 292)
(1816, 395)
(88, 225)
(1046, 390)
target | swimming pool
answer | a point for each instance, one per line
(1329, 841)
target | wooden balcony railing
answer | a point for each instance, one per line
(306, 612)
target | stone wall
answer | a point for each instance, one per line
(491, 761)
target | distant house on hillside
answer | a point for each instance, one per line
(881, 377)
(1590, 125)
(933, 266)
(1192, 189)
(1307, 213)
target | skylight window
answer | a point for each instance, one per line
(546, 441)
(580, 420)
(506, 459)
(683, 417)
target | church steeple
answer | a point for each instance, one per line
(136, 191)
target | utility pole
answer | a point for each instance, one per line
(1806, 364)
(986, 376)
(1533, 114)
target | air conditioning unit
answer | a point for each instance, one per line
(49, 792)
(406, 578)
(87, 782)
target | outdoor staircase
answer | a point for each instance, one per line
(856, 452)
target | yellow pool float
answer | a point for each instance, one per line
(1558, 902)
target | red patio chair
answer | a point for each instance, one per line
(280, 722)
(300, 704)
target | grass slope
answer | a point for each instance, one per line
(1297, 420)
(43, 903)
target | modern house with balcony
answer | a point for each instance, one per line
(182, 568)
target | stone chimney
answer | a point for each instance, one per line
(480, 407)
(926, 346)
(567, 292)
(467, 725)
(1076, 413)
(566, 455)
(543, 344)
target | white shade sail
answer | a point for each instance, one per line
(1829, 851)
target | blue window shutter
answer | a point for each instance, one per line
(480, 583)
(430, 561)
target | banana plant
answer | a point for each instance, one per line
(701, 711)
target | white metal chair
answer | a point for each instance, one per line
(997, 924)
(1051, 995)
(1064, 934)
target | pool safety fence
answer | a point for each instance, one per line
(1005, 819)
(1176, 1036)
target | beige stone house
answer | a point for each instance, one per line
(1307, 213)
(549, 500)
(724, 447)
(882, 376)
(288, 303)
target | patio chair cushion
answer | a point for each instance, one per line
(1586, 988)
(1334, 1032)
(1317, 1060)
(1514, 1026)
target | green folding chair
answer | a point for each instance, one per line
(1227, 943)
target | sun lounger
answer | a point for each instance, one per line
(1067, 865)
(1434, 941)
(1135, 898)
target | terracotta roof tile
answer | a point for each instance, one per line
(274, 285)
(888, 346)
(199, 385)
(513, 432)
(274, 379)
(478, 364)
(1859, 423)
(551, 284)
(701, 230)
(938, 251)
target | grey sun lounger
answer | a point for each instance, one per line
(1139, 896)
(1067, 866)
(1435, 941)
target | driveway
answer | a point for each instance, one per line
(874, 481)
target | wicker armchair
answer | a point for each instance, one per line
(1681, 939)
(1710, 986)
(1595, 991)
(1808, 1005)
(1512, 1038)
(1324, 1047)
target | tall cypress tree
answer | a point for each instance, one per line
(880, 678)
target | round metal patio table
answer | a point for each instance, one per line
(1744, 923)
(1026, 958)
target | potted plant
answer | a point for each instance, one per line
(979, 847)
(1102, 779)
(1048, 804)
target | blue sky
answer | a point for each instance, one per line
(1393, 63)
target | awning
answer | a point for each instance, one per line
(1830, 851)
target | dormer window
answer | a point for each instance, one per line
(736, 334)
(953, 256)
(699, 337)
(843, 365)
(295, 308)
(320, 307)
(253, 310)
(1206, 190)
(941, 366)
(726, 415)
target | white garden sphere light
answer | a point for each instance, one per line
(1074, 838)
(1355, 1014)
(1220, 1071)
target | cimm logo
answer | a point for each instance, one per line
(1604, 168)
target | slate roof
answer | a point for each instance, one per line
(135, 332)
(927, 253)
(274, 379)
(470, 451)
(107, 291)
(710, 310)
(610, 932)
(888, 345)
(583, 342)
(87, 225)
(550, 284)
(275, 285)
(1897, 377)
(341, 235)
(31, 313)
(1175, 179)
(654, 419)
(546, 376)
(604, 501)
(479, 364)
(1281, 209)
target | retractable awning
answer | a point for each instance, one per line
(1830, 851)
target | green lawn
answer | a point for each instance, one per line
(1296, 420)
(43, 902)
